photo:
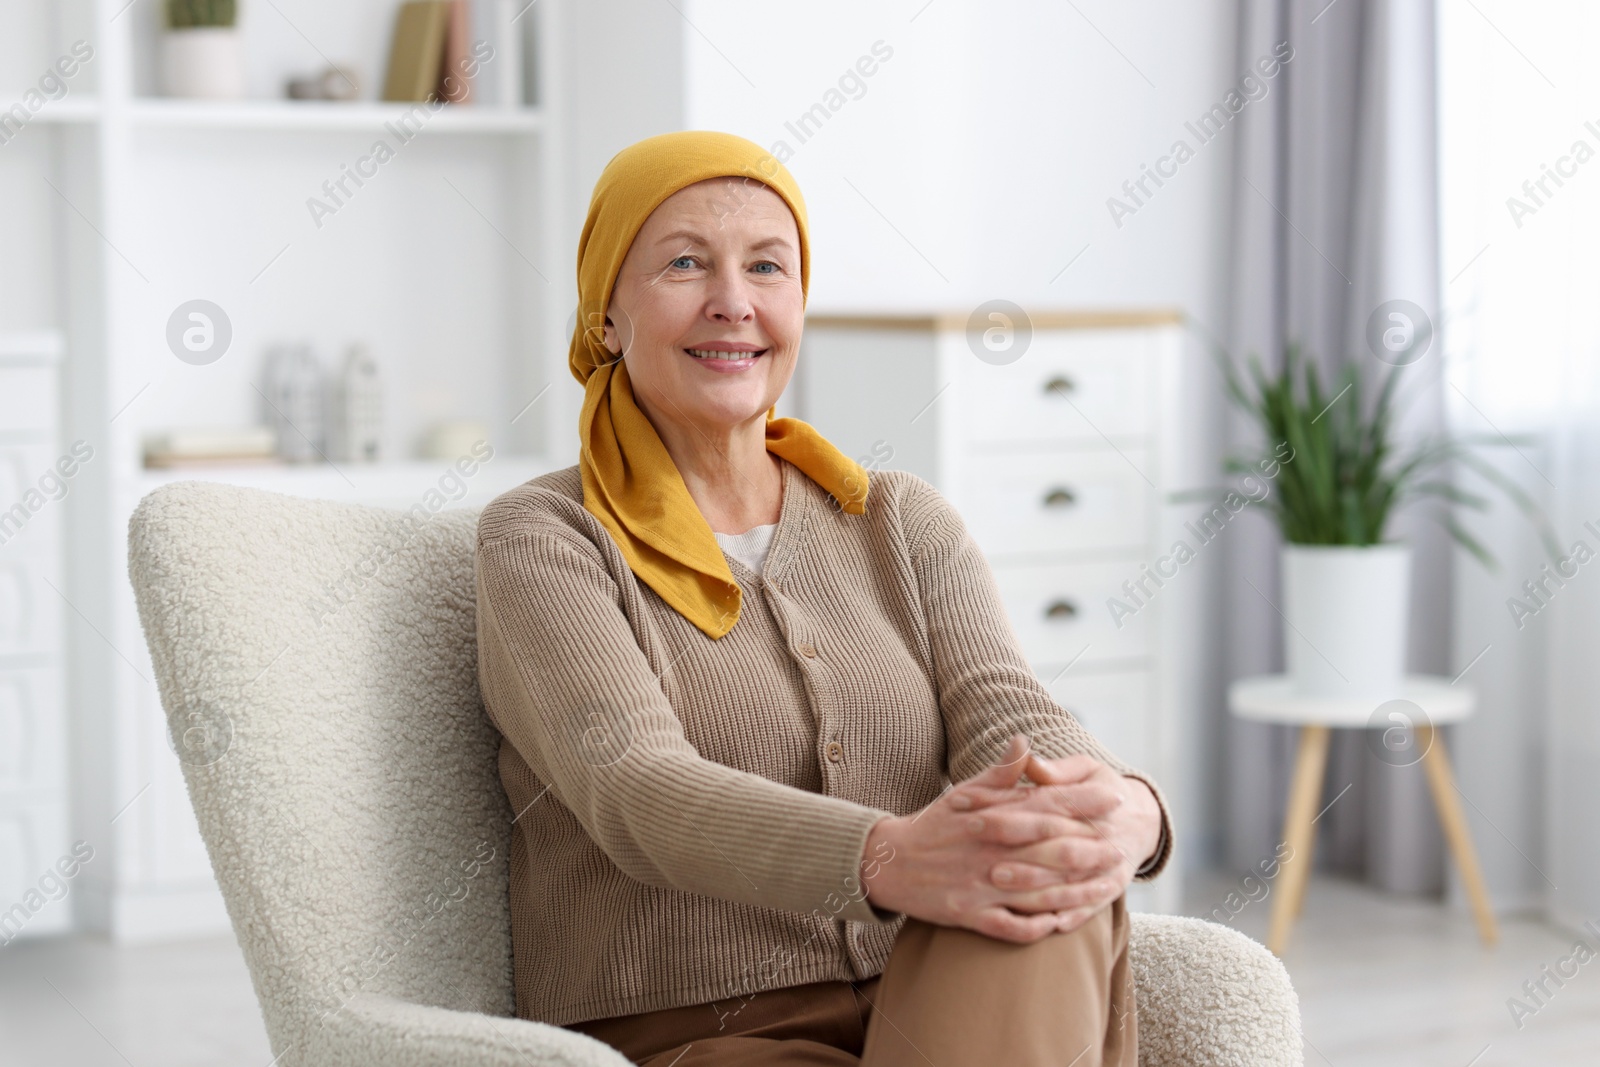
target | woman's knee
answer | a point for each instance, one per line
(1103, 934)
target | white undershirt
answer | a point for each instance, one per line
(750, 547)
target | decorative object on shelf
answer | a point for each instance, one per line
(450, 439)
(1345, 588)
(294, 402)
(356, 426)
(416, 55)
(336, 82)
(201, 53)
(210, 445)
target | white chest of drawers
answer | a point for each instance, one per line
(33, 733)
(1060, 461)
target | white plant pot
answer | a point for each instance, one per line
(1345, 609)
(203, 63)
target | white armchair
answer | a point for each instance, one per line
(318, 667)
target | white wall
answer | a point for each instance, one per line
(990, 140)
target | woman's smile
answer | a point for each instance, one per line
(726, 357)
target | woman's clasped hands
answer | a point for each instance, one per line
(1016, 861)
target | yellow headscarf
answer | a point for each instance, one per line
(630, 482)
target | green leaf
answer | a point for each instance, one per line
(1468, 542)
(1347, 474)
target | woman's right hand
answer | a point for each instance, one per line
(935, 865)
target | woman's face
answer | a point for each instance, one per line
(716, 267)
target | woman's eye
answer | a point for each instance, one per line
(683, 262)
(767, 263)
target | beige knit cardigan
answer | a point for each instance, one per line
(690, 814)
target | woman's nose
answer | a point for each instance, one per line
(729, 299)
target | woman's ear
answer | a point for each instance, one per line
(612, 342)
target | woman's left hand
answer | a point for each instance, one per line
(1119, 809)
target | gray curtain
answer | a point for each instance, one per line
(1335, 212)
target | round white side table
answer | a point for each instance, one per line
(1271, 698)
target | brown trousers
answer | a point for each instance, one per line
(947, 997)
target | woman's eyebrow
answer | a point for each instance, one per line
(680, 235)
(768, 242)
(689, 237)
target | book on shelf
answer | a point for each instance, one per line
(430, 54)
(211, 446)
(455, 76)
(158, 462)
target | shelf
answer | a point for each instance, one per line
(68, 109)
(399, 483)
(290, 115)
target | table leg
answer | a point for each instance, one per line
(1298, 832)
(1300, 897)
(1441, 780)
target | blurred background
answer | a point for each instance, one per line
(328, 250)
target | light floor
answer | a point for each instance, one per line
(1382, 980)
(1388, 980)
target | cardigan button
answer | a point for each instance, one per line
(835, 751)
(808, 650)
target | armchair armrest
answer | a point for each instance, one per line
(373, 1030)
(1208, 996)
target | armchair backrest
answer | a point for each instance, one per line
(317, 663)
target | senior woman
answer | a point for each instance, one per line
(736, 678)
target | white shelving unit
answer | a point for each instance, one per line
(452, 264)
(34, 812)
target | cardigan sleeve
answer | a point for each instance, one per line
(565, 680)
(987, 690)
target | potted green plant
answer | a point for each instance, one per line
(201, 55)
(1345, 584)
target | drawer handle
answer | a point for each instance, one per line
(1059, 385)
(1061, 609)
(1059, 498)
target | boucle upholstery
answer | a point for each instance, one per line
(317, 665)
